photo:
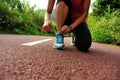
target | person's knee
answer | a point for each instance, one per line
(61, 3)
(83, 46)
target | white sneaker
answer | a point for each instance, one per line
(59, 46)
(73, 40)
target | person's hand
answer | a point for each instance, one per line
(47, 27)
(65, 29)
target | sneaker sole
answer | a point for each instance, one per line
(73, 44)
(59, 48)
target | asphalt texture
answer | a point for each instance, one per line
(42, 62)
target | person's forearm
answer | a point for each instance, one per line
(50, 6)
(79, 20)
(47, 16)
(84, 15)
(49, 9)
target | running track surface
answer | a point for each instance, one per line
(41, 62)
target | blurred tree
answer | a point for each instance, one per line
(14, 4)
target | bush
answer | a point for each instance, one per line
(13, 20)
(105, 29)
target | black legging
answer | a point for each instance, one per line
(83, 37)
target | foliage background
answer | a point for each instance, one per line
(19, 18)
(104, 21)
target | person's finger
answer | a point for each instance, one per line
(66, 30)
(50, 28)
(47, 28)
(63, 30)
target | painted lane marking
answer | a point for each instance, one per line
(35, 42)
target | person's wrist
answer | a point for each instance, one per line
(46, 20)
(70, 27)
(47, 16)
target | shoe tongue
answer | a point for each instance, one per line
(59, 38)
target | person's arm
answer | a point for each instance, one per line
(67, 28)
(47, 26)
(49, 9)
(84, 15)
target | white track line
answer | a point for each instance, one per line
(35, 42)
